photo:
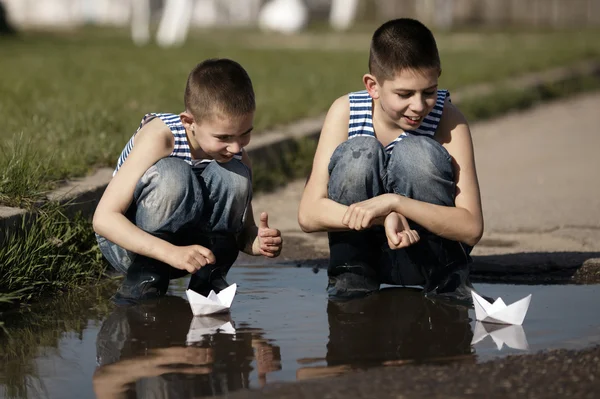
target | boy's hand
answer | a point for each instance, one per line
(191, 258)
(268, 241)
(365, 214)
(398, 232)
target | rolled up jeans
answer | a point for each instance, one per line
(419, 168)
(176, 204)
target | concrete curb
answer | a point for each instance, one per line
(82, 194)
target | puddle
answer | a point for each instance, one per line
(281, 328)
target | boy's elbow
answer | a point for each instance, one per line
(97, 223)
(305, 223)
(475, 235)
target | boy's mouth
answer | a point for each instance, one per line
(413, 120)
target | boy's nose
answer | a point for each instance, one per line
(418, 104)
(234, 148)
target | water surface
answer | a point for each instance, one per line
(281, 328)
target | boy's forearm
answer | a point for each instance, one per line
(322, 215)
(450, 222)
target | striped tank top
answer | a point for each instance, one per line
(181, 149)
(361, 118)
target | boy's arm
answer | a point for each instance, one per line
(316, 211)
(464, 221)
(153, 142)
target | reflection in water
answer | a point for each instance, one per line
(142, 352)
(512, 336)
(37, 330)
(391, 327)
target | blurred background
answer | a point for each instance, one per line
(294, 15)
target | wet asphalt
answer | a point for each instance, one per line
(553, 374)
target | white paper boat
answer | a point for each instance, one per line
(213, 303)
(202, 326)
(499, 312)
(512, 336)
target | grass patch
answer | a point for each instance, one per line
(72, 100)
(52, 254)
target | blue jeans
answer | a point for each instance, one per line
(419, 168)
(173, 203)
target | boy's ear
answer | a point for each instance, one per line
(371, 85)
(187, 120)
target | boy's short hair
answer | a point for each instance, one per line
(219, 86)
(400, 44)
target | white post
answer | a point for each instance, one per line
(343, 13)
(140, 21)
(175, 22)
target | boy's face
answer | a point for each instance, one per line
(408, 98)
(220, 137)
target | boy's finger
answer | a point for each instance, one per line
(264, 221)
(207, 253)
(270, 233)
(272, 240)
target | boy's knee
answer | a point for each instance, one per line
(165, 183)
(355, 170)
(420, 168)
(420, 155)
(229, 191)
(165, 187)
(354, 158)
(233, 176)
(230, 179)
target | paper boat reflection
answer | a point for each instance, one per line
(203, 326)
(213, 303)
(512, 336)
(499, 312)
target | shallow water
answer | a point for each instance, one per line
(282, 328)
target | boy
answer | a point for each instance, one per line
(180, 198)
(393, 179)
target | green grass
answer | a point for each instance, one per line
(54, 254)
(70, 101)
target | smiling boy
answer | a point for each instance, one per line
(393, 179)
(180, 198)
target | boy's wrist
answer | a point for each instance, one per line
(397, 203)
(161, 251)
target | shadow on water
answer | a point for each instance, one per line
(281, 327)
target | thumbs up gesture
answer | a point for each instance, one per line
(268, 240)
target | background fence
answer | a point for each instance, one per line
(535, 13)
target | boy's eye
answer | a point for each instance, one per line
(430, 93)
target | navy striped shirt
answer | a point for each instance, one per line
(361, 117)
(181, 149)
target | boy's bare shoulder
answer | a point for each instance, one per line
(451, 119)
(155, 128)
(341, 106)
(339, 113)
